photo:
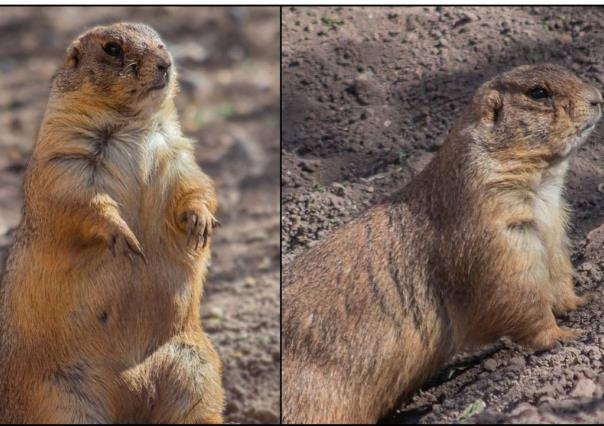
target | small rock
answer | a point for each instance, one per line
(490, 364)
(567, 404)
(411, 38)
(263, 415)
(367, 89)
(584, 388)
(215, 312)
(306, 167)
(471, 16)
(589, 373)
(548, 390)
(265, 263)
(370, 189)
(338, 189)
(387, 123)
(518, 361)
(213, 325)
(462, 21)
(524, 409)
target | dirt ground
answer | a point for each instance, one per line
(368, 96)
(228, 63)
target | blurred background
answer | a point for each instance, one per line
(228, 65)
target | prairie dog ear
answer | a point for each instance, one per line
(493, 103)
(73, 56)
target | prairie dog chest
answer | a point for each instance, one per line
(549, 207)
(133, 167)
(536, 219)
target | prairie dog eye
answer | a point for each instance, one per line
(538, 93)
(113, 49)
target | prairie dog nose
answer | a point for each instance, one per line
(164, 64)
(594, 97)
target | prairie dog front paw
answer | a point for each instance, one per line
(198, 223)
(121, 240)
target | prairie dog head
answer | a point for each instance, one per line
(537, 111)
(125, 67)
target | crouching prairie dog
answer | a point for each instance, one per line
(99, 307)
(472, 249)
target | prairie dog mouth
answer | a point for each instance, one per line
(159, 86)
(581, 136)
(587, 128)
(590, 125)
(160, 83)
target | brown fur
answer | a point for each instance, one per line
(473, 249)
(100, 303)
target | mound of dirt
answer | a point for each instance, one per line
(368, 97)
(228, 64)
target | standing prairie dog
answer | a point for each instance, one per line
(99, 307)
(472, 249)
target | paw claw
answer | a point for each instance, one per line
(112, 244)
(206, 233)
(197, 242)
(198, 226)
(547, 338)
(123, 241)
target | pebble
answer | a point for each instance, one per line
(490, 364)
(586, 266)
(338, 189)
(470, 15)
(584, 388)
(518, 362)
(215, 312)
(548, 390)
(263, 415)
(524, 409)
(306, 167)
(411, 38)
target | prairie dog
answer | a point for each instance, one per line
(474, 248)
(99, 307)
